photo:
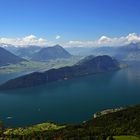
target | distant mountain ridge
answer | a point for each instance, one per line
(89, 66)
(9, 47)
(28, 51)
(7, 57)
(38, 53)
(129, 52)
(49, 53)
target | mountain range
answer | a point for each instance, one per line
(10, 54)
(27, 51)
(129, 52)
(92, 65)
(7, 58)
(38, 53)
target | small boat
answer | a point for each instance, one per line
(9, 118)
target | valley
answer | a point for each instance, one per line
(32, 66)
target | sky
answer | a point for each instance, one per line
(70, 22)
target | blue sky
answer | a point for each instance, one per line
(71, 19)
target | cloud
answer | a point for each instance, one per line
(58, 37)
(102, 41)
(133, 37)
(106, 41)
(27, 40)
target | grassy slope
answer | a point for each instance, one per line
(29, 132)
(35, 128)
(126, 138)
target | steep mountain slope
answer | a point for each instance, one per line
(49, 53)
(8, 58)
(89, 66)
(9, 47)
(27, 51)
(129, 52)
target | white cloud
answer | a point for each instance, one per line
(58, 37)
(133, 37)
(27, 40)
(102, 41)
(106, 41)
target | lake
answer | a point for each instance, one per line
(71, 101)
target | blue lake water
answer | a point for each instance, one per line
(71, 101)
